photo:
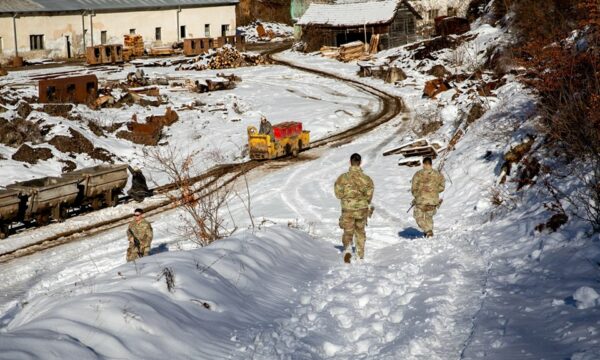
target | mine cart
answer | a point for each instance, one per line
(99, 184)
(288, 139)
(45, 198)
(9, 210)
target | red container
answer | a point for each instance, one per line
(287, 129)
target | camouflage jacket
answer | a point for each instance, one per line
(354, 189)
(427, 184)
(142, 231)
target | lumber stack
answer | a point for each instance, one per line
(331, 52)
(228, 57)
(135, 43)
(351, 51)
(162, 51)
(374, 44)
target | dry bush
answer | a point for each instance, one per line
(203, 198)
(559, 44)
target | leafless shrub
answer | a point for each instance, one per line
(169, 276)
(501, 198)
(202, 197)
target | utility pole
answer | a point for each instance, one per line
(92, 14)
(83, 31)
(178, 30)
(15, 17)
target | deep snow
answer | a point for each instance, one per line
(487, 285)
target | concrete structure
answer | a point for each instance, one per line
(59, 29)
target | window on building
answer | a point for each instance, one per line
(433, 13)
(452, 11)
(224, 30)
(36, 42)
(157, 34)
(206, 30)
(103, 37)
(131, 31)
(182, 32)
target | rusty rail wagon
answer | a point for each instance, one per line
(52, 198)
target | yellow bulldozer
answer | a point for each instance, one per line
(287, 139)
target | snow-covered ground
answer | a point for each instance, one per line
(216, 124)
(485, 286)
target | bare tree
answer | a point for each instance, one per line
(202, 197)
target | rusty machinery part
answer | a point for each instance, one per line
(392, 106)
(199, 46)
(73, 89)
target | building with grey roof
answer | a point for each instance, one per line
(64, 28)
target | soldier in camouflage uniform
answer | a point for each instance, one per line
(355, 190)
(266, 128)
(427, 184)
(139, 234)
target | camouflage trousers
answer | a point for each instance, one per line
(424, 216)
(133, 252)
(353, 223)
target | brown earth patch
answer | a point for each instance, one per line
(30, 155)
(79, 144)
(69, 166)
(15, 133)
(61, 110)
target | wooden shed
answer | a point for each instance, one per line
(339, 23)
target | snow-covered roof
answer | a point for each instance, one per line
(49, 6)
(352, 13)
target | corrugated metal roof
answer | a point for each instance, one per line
(352, 13)
(36, 6)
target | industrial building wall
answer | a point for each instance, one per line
(55, 29)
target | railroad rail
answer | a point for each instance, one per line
(390, 107)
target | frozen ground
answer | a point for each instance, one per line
(485, 286)
(216, 123)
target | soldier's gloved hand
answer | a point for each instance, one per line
(371, 210)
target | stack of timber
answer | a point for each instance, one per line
(134, 45)
(352, 51)
(414, 151)
(374, 44)
(162, 51)
(226, 57)
(331, 52)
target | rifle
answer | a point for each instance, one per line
(412, 205)
(136, 243)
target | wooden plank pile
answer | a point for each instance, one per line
(413, 151)
(134, 45)
(226, 57)
(352, 51)
(162, 51)
(374, 44)
(346, 52)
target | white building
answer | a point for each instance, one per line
(52, 28)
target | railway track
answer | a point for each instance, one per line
(390, 107)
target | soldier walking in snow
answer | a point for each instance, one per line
(355, 191)
(427, 184)
(139, 234)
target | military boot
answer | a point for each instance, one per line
(429, 233)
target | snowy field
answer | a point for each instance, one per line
(216, 124)
(487, 285)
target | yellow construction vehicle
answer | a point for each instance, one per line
(287, 139)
